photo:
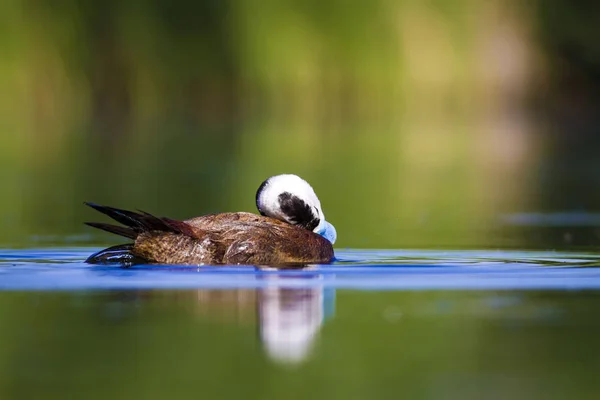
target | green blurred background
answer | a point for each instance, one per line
(419, 123)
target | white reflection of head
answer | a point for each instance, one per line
(289, 322)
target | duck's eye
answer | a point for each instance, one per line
(297, 211)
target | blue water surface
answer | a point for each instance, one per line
(64, 269)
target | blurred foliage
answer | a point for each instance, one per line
(414, 121)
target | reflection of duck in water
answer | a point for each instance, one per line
(290, 229)
(290, 320)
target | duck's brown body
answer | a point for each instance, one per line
(228, 238)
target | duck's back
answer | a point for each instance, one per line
(233, 238)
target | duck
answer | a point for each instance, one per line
(290, 229)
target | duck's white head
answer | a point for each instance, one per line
(291, 199)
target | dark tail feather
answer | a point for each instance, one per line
(120, 254)
(129, 218)
(117, 230)
(137, 223)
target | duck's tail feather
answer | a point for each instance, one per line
(120, 254)
(137, 222)
(117, 230)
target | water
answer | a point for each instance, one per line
(376, 324)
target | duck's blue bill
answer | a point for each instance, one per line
(328, 232)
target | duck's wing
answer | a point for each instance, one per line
(233, 220)
(255, 239)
